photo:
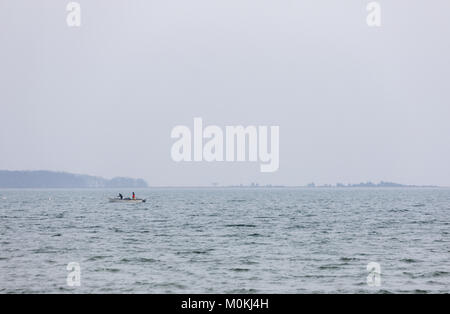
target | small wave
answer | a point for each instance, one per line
(141, 283)
(146, 260)
(418, 205)
(383, 291)
(434, 274)
(131, 240)
(139, 260)
(195, 252)
(240, 269)
(201, 252)
(398, 210)
(349, 259)
(297, 227)
(323, 267)
(241, 225)
(97, 257)
(110, 270)
(440, 273)
(410, 275)
(435, 283)
(242, 291)
(170, 285)
(92, 227)
(45, 251)
(409, 260)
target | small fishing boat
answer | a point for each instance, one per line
(127, 200)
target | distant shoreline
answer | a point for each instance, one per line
(221, 188)
(44, 179)
(205, 187)
(292, 187)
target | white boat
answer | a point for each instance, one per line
(126, 200)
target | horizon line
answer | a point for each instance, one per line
(247, 185)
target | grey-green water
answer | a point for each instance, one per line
(226, 240)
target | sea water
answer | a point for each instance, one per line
(226, 240)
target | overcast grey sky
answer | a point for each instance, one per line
(353, 103)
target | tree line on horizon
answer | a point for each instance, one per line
(50, 179)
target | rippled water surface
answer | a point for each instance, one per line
(226, 240)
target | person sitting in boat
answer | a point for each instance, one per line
(121, 196)
(134, 196)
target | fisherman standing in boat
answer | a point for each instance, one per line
(134, 196)
(120, 196)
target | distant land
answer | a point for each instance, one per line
(44, 179)
(369, 184)
(50, 179)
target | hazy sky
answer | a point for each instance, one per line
(353, 103)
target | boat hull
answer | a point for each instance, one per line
(117, 200)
